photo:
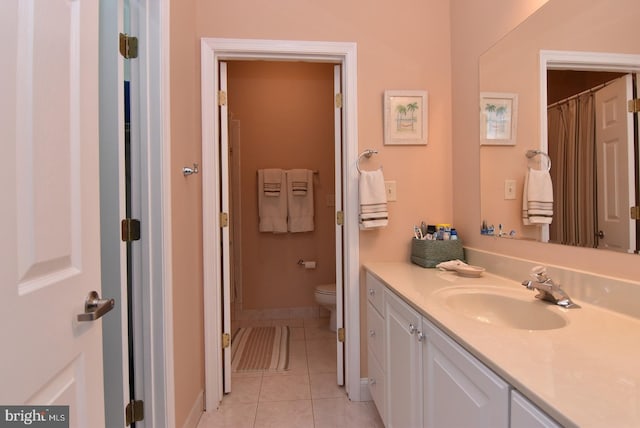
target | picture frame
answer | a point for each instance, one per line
(405, 117)
(498, 118)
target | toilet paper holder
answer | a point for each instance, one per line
(307, 264)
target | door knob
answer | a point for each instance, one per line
(601, 234)
(95, 307)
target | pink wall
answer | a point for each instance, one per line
(285, 110)
(398, 48)
(431, 45)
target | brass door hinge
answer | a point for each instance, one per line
(634, 105)
(222, 98)
(339, 218)
(338, 100)
(224, 219)
(128, 46)
(226, 340)
(130, 229)
(134, 412)
(634, 213)
(341, 334)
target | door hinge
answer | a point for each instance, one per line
(634, 105)
(226, 340)
(130, 228)
(634, 213)
(339, 218)
(134, 412)
(128, 46)
(224, 219)
(341, 334)
(222, 98)
(338, 100)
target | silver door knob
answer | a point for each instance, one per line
(421, 336)
(95, 307)
(412, 329)
(601, 234)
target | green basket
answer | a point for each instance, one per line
(429, 253)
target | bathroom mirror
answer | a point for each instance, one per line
(566, 41)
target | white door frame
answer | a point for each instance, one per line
(151, 118)
(212, 51)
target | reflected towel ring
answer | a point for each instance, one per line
(532, 153)
(367, 154)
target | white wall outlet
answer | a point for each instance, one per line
(509, 189)
(390, 187)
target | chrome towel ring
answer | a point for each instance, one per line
(532, 153)
(367, 154)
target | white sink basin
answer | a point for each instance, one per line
(502, 307)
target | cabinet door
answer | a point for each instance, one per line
(403, 364)
(525, 414)
(459, 390)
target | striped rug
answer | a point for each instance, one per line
(260, 349)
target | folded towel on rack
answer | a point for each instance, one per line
(537, 198)
(272, 203)
(300, 200)
(373, 200)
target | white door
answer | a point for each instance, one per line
(337, 87)
(49, 223)
(615, 172)
(224, 206)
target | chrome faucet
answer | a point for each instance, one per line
(548, 290)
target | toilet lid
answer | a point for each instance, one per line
(326, 289)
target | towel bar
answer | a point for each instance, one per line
(367, 153)
(532, 153)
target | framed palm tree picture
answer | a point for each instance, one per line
(498, 118)
(405, 117)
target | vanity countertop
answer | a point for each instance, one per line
(585, 374)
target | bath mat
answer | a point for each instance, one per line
(260, 349)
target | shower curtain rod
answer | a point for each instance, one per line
(594, 89)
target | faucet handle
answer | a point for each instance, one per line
(539, 273)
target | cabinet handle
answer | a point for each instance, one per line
(421, 336)
(412, 329)
(372, 333)
(372, 381)
(372, 292)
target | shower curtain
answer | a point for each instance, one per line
(572, 148)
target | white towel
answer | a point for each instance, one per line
(300, 200)
(537, 198)
(272, 203)
(373, 200)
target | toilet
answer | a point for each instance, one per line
(326, 297)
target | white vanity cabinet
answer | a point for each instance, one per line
(420, 377)
(524, 414)
(459, 390)
(376, 343)
(403, 352)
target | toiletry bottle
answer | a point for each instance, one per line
(454, 235)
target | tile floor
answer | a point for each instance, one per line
(304, 396)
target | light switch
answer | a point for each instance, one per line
(509, 189)
(390, 187)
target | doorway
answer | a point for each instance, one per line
(626, 187)
(214, 51)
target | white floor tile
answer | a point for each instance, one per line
(285, 414)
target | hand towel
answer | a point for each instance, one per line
(272, 203)
(300, 200)
(537, 198)
(272, 182)
(373, 200)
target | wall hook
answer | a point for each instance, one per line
(187, 171)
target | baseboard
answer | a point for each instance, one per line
(196, 412)
(365, 394)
